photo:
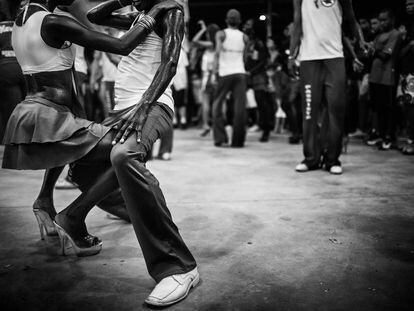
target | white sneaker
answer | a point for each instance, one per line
(336, 170)
(173, 288)
(301, 168)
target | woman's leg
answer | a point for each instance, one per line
(44, 199)
(72, 218)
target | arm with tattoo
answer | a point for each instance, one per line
(173, 33)
(173, 30)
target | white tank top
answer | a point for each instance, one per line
(322, 30)
(136, 72)
(33, 54)
(231, 56)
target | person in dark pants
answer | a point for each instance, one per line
(322, 73)
(145, 108)
(12, 84)
(383, 78)
(230, 47)
(256, 59)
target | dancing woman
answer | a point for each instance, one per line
(68, 138)
(45, 130)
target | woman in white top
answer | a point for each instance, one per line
(207, 68)
(46, 130)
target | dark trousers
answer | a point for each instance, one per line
(266, 109)
(12, 91)
(323, 81)
(236, 84)
(164, 250)
(166, 144)
(382, 97)
(294, 111)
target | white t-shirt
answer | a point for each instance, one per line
(322, 30)
(231, 56)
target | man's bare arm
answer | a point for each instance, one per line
(351, 22)
(173, 34)
(297, 28)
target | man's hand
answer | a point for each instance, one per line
(134, 122)
(357, 65)
(293, 67)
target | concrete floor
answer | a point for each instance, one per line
(265, 237)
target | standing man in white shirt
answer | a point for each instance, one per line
(230, 48)
(317, 41)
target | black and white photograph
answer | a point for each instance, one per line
(207, 155)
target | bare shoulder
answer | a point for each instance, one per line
(221, 35)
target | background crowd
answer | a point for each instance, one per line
(380, 92)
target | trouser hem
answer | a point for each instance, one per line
(173, 271)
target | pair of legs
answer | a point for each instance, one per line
(236, 84)
(266, 109)
(180, 99)
(207, 96)
(323, 81)
(123, 165)
(382, 97)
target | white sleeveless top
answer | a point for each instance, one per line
(33, 54)
(322, 30)
(136, 72)
(231, 56)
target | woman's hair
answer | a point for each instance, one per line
(212, 30)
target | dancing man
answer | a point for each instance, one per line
(144, 103)
(317, 39)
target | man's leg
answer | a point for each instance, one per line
(311, 74)
(239, 118)
(219, 123)
(335, 88)
(164, 250)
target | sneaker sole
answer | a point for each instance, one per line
(193, 284)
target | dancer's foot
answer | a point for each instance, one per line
(45, 213)
(173, 288)
(74, 235)
(46, 205)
